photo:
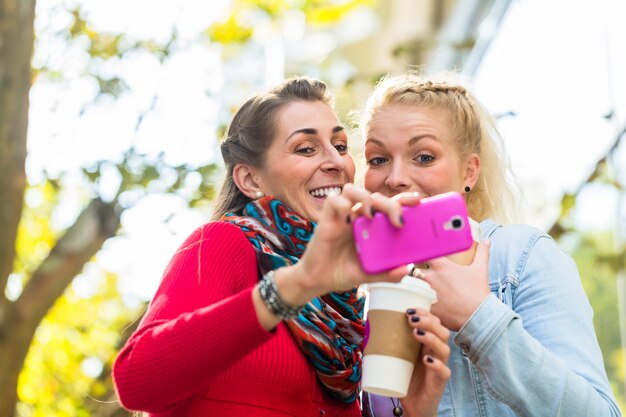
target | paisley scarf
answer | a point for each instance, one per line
(330, 328)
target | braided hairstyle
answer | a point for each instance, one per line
(252, 131)
(473, 129)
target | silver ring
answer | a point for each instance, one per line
(417, 273)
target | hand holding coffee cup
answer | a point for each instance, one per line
(391, 350)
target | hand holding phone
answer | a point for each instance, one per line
(436, 226)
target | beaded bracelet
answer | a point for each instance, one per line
(271, 298)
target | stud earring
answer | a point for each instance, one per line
(467, 189)
(258, 194)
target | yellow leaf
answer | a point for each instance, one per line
(230, 31)
(322, 13)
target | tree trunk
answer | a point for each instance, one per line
(16, 48)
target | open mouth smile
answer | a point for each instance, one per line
(324, 192)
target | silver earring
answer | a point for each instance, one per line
(258, 194)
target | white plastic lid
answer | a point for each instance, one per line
(419, 283)
(409, 283)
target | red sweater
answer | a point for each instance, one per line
(201, 351)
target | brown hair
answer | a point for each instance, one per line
(474, 132)
(252, 131)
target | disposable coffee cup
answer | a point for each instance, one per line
(390, 348)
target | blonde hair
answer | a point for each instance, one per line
(474, 131)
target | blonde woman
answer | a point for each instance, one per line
(523, 342)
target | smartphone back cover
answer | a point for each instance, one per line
(428, 233)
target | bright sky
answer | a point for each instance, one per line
(556, 64)
(559, 65)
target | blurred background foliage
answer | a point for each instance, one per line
(73, 318)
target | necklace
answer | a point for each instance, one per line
(397, 410)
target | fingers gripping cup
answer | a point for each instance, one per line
(391, 350)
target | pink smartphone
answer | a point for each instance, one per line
(437, 226)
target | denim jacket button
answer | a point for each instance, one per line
(464, 348)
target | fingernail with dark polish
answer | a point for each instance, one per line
(420, 332)
(410, 311)
(415, 319)
(429, 359)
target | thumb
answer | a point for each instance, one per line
(482, 253)
(393, 275)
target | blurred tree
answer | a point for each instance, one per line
(71, 334)
(41, 261)
(601, 258)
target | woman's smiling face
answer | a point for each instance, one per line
(308, 158)
(411, 148)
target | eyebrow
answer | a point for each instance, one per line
(311, 131)
(417, 138)
(411, 142)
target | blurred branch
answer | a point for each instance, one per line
(569, 199)
(97, 223)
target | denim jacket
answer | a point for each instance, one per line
(530, 349)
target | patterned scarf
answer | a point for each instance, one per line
(330, 329)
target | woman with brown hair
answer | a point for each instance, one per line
(258, 312)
